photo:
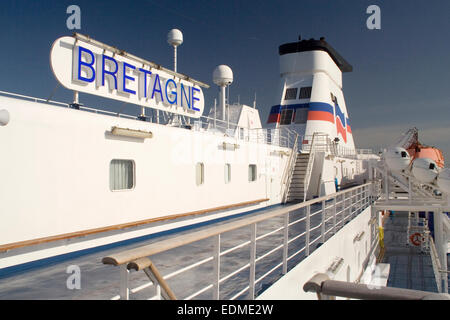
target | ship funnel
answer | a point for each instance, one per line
(223, 77)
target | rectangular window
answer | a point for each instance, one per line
(291, 94)
(200, 173)
(121, 174)
(286, 116)
(301, 115)
(305, 93)
(252, 172)
(227, 173)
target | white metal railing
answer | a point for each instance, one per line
(436, 263)
(317, 144)
(323, 143)
(288, 170)
(67, 105)
(283, 137)
(302, 227)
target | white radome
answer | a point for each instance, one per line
(4, 117)
(223, 75)
(397, 158)
(175, 37)
(443, 180)
(425, 170)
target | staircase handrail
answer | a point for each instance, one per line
(287, 174)
(309, 168)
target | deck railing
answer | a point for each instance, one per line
(282, 137)
(327, 289)
(286, 178)
(279, 237)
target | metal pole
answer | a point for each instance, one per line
(216, 272)
(252, 262)
(175, 58)
(322, 227)
(76, 97)
(334, 214)
(441, 246)
(285, 242)
(215, 112)
(124, 289)
(308, 227)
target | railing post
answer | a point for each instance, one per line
(124, 279)
(285, 242)
(352, 204)
(322, 226)
(216, 271)
(252, 261)
(308, 227)
(334, 213)
(344, 208)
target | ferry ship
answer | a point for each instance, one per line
(78, 180)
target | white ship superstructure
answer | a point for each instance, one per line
(76, 180)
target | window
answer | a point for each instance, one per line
(305, 93)
(333, 98)
(291, 94)
(286, 116)
(200, 173)
(121, 175)
(227, 173)
(252, 172)
(301, 115)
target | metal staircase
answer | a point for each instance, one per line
(297, 190)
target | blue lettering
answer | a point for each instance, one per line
(174, 91)
(154, 86)
(183, 93)
(82, 63)
(112, 73)
(146, 72)
(125, 77)
(194, 98)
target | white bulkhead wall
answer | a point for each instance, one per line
(249, 118)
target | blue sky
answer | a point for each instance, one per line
(400, 78)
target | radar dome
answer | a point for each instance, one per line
(175, 37)
(425, 170)
(397, 158)
(4, 117)
(443, 180)
(223, 75)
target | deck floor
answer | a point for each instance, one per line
(409, 267)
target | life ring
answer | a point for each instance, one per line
(416, 239)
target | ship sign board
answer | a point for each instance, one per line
(87, 66)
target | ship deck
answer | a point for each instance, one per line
(409, 267)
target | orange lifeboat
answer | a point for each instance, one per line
(421, 151)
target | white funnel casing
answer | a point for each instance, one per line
(397, 158)
(425, 170)
(312, 100)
